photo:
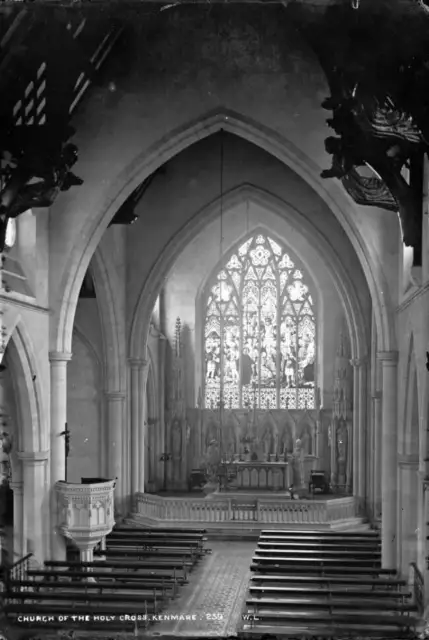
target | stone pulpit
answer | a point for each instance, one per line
(85, 513)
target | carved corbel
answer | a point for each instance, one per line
(33, 180)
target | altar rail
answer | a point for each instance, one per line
(157, 509)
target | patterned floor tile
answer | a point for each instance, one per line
(214, 596)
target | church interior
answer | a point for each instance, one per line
(214, 303)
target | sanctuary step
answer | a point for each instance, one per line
(127, 587)
(314, 582)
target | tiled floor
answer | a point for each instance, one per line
(214, 596)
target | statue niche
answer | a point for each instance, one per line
(269, 439)
(341, 453)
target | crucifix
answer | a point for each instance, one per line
(66, 434)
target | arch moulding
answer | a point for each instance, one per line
(114, 372)
(169, 146)
(34, 428)
(143, 311)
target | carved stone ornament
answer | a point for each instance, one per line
(85, 513)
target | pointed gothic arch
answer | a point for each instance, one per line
(33, 423)
(173, 143)
(353, 311)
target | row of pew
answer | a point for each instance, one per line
(328, 583)
(137, 573)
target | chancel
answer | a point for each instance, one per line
(214, 387)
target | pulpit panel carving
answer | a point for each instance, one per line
(85, 512)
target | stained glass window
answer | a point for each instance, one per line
(259, 331)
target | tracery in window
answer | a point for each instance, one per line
(259, 331)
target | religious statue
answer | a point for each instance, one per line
(342, 453)
(212, 460)
(298, 464)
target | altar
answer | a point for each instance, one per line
(256, 475)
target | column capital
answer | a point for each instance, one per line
(17, 487)
(115, 395)
(376, 396)
(138, 363)
(60, 356)
(33, 457)
(388, 357)
(358, 362)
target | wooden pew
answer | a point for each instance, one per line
(78, 610)
(277, 567)
(159, 529)
(127, 563)
(160, 542)
(329, 605)
(326, 591)
(281, 544)
(334, 542)
(358, 535)
(165, 554)
(321, 553)
(160, 587)
(372, 580)
(151, 563)
(148, 543)
(125, 576)
(346, 564)
(171, 535)
(149, 600)
(363, 622)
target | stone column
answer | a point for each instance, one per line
(349, 472)
(362, 430)
(359, 414)
(317, 447)
(143, 430)
(355, 447)
(161, 466)
(408, 524)
(115, 404)
(58, 362)
(35, 502)
(135, 402)
(389, 467)
(376, 403)
(18, 518)
(333, 452)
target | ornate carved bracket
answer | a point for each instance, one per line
(384, 140)
(31, 179)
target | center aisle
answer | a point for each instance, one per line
(215, 594)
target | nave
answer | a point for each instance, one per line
(207, 303)
(175, 583)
